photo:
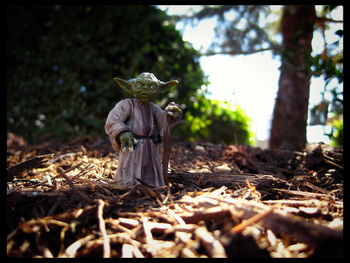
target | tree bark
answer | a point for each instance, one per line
(291, 107)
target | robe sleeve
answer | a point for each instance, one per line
(115, 123)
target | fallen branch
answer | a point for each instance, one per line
(302, 194)
(35, 162)
(294, 203)
(233, 180)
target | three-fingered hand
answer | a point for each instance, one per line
(127, 141)
(173, 110)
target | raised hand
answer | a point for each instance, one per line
(173, 110)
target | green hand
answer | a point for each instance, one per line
(126, 141)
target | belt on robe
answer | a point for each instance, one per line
(156, 138)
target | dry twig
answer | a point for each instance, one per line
(70, 183)
(254, 219)
(102, 225)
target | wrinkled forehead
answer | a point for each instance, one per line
(147, 78)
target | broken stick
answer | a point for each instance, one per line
(35, 162)
(72, 186)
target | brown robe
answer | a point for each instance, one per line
(146, 161)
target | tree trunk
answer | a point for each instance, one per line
(291, 107)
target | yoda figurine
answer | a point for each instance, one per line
(140, 131)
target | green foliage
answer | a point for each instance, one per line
(61, 61)
(217, 122)
(337, 133)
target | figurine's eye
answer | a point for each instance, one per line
(138, 85)
(153, 87)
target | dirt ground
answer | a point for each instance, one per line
(221, 201)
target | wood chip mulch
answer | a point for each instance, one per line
(221, 201)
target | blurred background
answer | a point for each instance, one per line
(233, 64)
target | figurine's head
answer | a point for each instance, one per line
(146, 87)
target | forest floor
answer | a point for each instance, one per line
(221, 201)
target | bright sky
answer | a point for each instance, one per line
(255, 76)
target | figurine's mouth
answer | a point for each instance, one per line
(144, 97)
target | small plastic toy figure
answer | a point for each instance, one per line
(140, 131)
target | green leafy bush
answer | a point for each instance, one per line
(337, 131)
(217, 122)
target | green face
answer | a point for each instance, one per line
(146, 87)
(145, 90)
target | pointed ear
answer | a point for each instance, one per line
(124, 84)
(164, 87)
